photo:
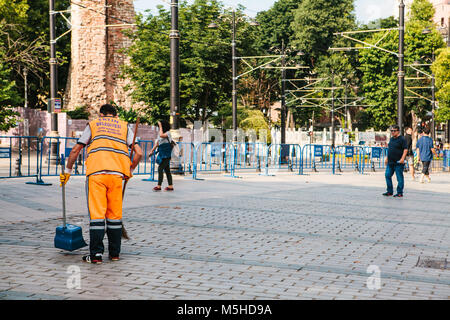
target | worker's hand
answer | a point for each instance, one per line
(401, 161)
(385, 161)
(64, 178)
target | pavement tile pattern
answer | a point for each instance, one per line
(284, 237)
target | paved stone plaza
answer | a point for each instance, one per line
(257, 237)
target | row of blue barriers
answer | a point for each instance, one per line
(33, 158)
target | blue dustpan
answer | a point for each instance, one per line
(68, 236)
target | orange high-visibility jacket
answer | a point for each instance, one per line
(108, 149)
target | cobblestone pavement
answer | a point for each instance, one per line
(257, 237)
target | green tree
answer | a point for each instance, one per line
(379, 80)
(441, 70)
(24, 40)
(205, 59)
(8, 97)
(379, 68)
(11, 12)
(314, 25)
(315, 21)
(276, 24)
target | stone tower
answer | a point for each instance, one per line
(96, 58)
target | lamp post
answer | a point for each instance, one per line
(332, 111)
(174, 69)
(401, 72)
(433, 92)
(345, 102)
(433, 102)
(234, 59)
(25, 76)
(234, 78)
(284, 66)
(53, 83)
(283, 95)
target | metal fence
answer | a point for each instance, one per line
(31, 156)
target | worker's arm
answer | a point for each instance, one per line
(64, 178)
(73, 156)
(136, 157)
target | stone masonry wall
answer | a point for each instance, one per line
(96, 58)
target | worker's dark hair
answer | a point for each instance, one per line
(419, 130)
(426, 130)
(165, 126)
(395, 127)
(108, 109)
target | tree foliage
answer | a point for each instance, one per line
(379, 68)
(24, 42)
(315, 21)
(441, 70)
(205, 59)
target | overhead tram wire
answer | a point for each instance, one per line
(144, 27)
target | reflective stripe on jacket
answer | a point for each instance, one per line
(108, 150)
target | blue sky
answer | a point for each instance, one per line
(366, 10)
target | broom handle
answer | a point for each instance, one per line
(63, 193)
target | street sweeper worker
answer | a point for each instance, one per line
(108, 163)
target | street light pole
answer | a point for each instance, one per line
(25, 75)
(332, 111)
(53, 82)
(448, 45)
(233, 66)
(345, 103)
(433, 102)
(174, 67)
(401, 72)
(283, 100)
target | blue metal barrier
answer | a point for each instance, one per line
(345, 157)
(316, 156)
(446, 160)
(377, 156)
(283, 156)
(147, 161)
(23, 149)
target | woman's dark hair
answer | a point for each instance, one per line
(165, 126)
(108, 109)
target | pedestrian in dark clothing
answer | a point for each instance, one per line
(395, 162)
(164, 145)
(410, 155)
(425, 149)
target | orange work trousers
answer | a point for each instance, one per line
(104, 194)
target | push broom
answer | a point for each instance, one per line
(124, 231)
(68, 236)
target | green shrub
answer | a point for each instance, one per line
(79, 112)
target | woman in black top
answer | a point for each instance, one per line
(410, 155)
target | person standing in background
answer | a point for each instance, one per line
(410, 155)
(425, 151)
(164, 145)
(395, 162)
